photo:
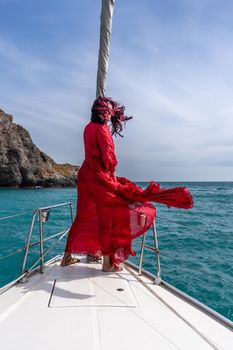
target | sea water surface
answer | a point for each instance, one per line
(196, 245)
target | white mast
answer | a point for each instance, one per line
(104, 47)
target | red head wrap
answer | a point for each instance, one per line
(101, 106)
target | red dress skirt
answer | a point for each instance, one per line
(111, 210)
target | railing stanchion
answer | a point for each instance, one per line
(141, 254)
(71, 213)
(41, 242)
(28, 242)
(155, 249)
(157, 252)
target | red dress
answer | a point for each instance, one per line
(111, 210)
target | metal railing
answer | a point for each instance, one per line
(42, 214)
(155, 249)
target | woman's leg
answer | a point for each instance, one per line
(106, 263)
(108, 267)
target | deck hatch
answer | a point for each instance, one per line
(99, 291)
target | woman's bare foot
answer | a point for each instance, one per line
(112, 268)
(108, 266)
(69, 260)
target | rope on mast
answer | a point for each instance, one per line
(104, 47)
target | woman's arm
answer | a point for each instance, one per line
(105, 142)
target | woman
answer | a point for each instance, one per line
(111, 210)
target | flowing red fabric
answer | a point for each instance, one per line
(112, 210)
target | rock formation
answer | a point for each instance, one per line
(22, 164)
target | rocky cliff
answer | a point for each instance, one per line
(22, 164)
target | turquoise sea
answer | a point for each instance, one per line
(196, 245)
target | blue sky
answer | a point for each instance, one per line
(171, 65)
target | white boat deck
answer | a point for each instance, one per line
(80, 307)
